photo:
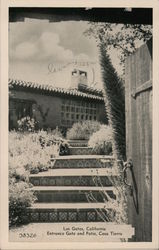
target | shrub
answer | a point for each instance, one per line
(32, 151)
(47, 139)
(28, 153)
(56, 132)
(83, 130)
(17, 172)
(26, 124)
(101, 141)
(64, 148)
(20, 197)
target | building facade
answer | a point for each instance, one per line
(52, 106)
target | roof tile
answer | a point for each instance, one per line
(91, 93)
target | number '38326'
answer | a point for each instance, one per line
(27, 235)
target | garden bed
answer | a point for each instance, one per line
(29, 152)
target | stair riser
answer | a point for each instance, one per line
(72, 196)
(81, 151)
(81, 163)
(71, 181)
(77, 143)
(70, 215)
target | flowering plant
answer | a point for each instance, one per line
(101, 141)
(26, 124)
(20, 197)
(83, 130)
(27, 155)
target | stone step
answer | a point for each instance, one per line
(70, 212)
(83, 161)
(71, 180)
(77, 172)
(74, 177)
(73, 193)
(81, 151)
(78, 143)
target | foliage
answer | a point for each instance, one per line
(124, 38)
(32, 150)
(20, 197)
(54, 138)
(115, 105)
(64, 148)
(83, 130)
(26, 124)
(17, 171)
(101, 141)
(116, 209)
(28, 153)
(56, 132)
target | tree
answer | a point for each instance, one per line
(114, 102)
(124, 38)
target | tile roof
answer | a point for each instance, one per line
(91, 93)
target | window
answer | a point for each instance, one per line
(67, 108)
(73, 109)
(23, 108)
(82, 110)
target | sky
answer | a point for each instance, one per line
(44, 52)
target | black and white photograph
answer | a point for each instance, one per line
(80, 125)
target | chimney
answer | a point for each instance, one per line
(78, 77)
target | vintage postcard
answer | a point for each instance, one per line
(79, 124)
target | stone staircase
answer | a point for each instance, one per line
(78, 188)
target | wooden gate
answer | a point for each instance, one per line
(139, 140)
